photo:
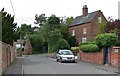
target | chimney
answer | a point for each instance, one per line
(85, 10)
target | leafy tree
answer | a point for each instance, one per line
(106, 40)
(40, 19)
(36, 42)
(72, 41)
(8, 27)
(102, 26)
(64, 31)
(54, 36)
(24, 30)
(54, 22)
(62, 44)
(69, 20)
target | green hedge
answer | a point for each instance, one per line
(74, 48)
(86, 43)
(89, 48)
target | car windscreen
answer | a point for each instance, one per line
(66, 53)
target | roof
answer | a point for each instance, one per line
(81, 19)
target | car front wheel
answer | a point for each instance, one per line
(57, 60)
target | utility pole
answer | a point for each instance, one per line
(20, 45)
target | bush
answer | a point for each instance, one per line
(88, 42)
(62, 44)
(118, 43)
(72, 41)
(74, 48)
(89, 48)
(106, 40)
(36, 42)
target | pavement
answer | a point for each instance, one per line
(14, 68)
(17, 66)
(102, 67)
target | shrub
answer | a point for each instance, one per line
(72, 41)
(118, 43)
(89, 48)
(54, 37)
(74, 48)
(36, 42)
(88, 42)
(62, 44)
(106, 40)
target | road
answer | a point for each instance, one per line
(41, 64)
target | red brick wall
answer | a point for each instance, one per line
(7, 55)
(97, 58)
(79, 31)
(114, 56)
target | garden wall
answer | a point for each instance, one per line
(114, 57)
(7, 55)
(98, 58)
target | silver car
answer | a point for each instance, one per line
(65, 55)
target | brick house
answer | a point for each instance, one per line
(86, 26)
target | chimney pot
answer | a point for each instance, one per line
(85, 10)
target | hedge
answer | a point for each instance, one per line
(89, 48)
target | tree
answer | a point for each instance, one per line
(72, 41)
(54, 36)
(62, 44)
(40, 19)
(106, 40)
(36, 42)
(54, 22)
(64, 31)
(69, 20)
(8, 27)
(102, 26)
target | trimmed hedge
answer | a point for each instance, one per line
(74, 48)
(89, 48)
(86, 43)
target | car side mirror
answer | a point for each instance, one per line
(59, 53)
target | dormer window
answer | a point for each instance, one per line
(99, 19)
(73, 32)
(84, 30)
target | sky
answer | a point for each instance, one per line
(25, 10)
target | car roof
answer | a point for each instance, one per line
(64, 50)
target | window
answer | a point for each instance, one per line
(73, 32)
(84, 30)
(99, 19)
(84, 39)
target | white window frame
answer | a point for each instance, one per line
(84, 30)
(99, 19)
(73, 32)
(84, 39)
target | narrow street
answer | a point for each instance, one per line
(41, 64)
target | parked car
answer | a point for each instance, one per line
(65, 55)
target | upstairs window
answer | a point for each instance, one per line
(73, 32)
(84, 30)
(99, 19)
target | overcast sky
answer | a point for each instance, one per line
(25, 10)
